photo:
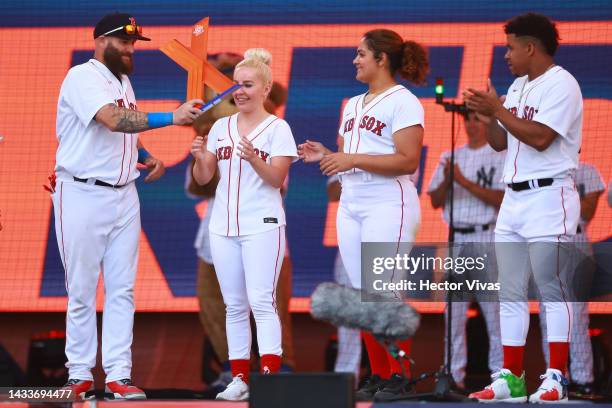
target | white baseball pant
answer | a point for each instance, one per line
(98, 227)
(247, 268)
(348, 359)
(581, 350)
(490, 311)
(375, 209)
(532, 227)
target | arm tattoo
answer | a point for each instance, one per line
(130, 121)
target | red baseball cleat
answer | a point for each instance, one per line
(123, 390)
(82, 390)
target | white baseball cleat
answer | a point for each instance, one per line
(237, 390)
(553, 389)
(506, 387)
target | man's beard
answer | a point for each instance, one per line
(114, 61)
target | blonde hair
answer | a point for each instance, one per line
(259, 59)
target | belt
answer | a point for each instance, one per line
(471, 230)
(97, 182)
(579, 230)
(531, 184)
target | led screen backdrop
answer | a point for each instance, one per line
(313, 44)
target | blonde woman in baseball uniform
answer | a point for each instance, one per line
(381, 136)
(253, 151)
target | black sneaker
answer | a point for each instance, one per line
(581, 391)
(397, 388)
(369, 388)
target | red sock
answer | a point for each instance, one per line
(394, 365)
(270, 363)
(241, 367)
(377, 354)
(558, 355)
(513, 359)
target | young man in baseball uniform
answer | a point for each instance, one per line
(381, 136)
(540, 125)
(253, 151)
(97, 212)
(477, 195)
(590, 187)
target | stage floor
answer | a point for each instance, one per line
(224, 404)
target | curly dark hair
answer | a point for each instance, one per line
(408, 58)
(535, 25)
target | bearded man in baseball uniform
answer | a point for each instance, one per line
(540, 125)
(97, 211)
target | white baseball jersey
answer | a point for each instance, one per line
(87, 149)
(244, 203)
(369, 129)
(482, 166)
(553, 99)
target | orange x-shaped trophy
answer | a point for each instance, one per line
(194, 61)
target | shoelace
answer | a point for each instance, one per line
(552, 377)
(237, 379)
(72, 381)
(497, 375)
(126, 381)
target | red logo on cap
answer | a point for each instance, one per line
(133, 21)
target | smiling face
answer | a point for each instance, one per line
(253, 92)
(518, 54)
(367, 66)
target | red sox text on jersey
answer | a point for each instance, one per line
(368, 123)
(225, 153)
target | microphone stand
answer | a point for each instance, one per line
(444, 383)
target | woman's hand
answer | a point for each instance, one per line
(335, 163)
(246, 151)
(311, 152)
(198, 147)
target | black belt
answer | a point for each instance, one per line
(530, 184)
(471, 230)
(579, 230)
(98, 183)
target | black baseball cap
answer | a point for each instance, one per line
(120, 25)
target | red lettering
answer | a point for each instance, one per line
(363, 121)
(262, 154)
(528, 112)
(227, 153)
(348, 125)
(370, 123)
(120, 103)
(379, 127)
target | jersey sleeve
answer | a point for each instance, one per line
(560, 107)
(438, 175)
(498, 178)
(345, 113)
(86, 92)
(407, 112)
(592, 180)
(283, 143)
